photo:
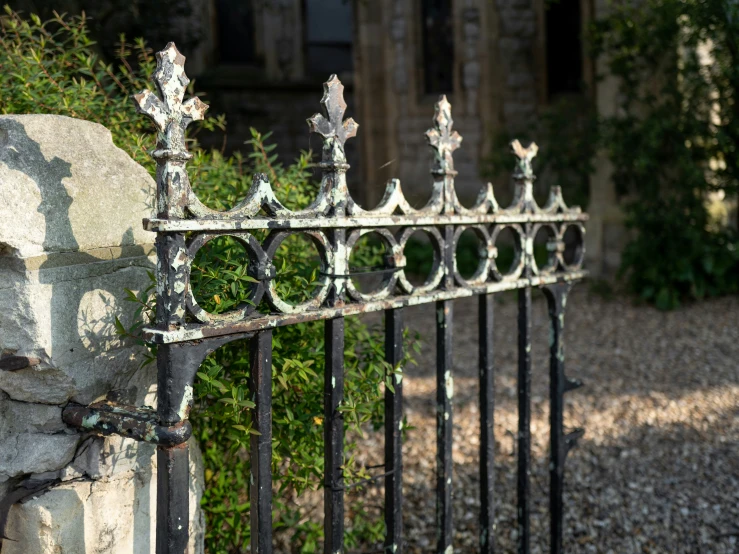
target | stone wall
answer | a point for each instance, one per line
(71, 241)
(495, 89)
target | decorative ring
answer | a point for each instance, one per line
(555, 247)
(437, 270)
(579, 248)
(394, 258)
(257, 263)
(323, 283)
(519, 260)
(486, 253)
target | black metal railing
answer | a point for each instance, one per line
(186, 333)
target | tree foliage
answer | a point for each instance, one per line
(674, 141)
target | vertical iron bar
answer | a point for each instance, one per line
(173, 499)
(524, 416)
(334, 436)
(177, 365)
(487, 419)
(260, 387)
(393, 433)
(556, 455)
(173, 463)
(444, 393)
(558, 385)
(524, 397)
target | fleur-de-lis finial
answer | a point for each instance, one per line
(442, 139)
(331, 124)
(170, 114)
(525, 156)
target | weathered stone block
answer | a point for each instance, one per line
(113, 514)
(71, 239)
(72, 188)
(71, 242)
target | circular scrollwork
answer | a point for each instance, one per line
(322, 284)
(257, 262)
(572, 236)
(394, 260)
(486, 254)
(517, 265)
(437, 270)
(554, 246)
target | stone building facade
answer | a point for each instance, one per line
(500, 63)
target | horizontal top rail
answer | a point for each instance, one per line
(269, 321)
(224, 225)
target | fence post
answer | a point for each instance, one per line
(444, 142)
(172, 116)
(523, 176)
(334, 130)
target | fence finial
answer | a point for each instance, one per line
(525, 157)
(170, 113)
(442, 139)
(331, 124)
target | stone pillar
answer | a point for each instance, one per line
(71, 242)
(605, 235)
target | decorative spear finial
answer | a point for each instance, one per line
(170, 114)
(525, 157)
(442, 139)
(331, 124)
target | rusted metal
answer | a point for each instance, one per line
(334, 223)
(105, 418)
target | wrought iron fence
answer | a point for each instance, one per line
(186, 333)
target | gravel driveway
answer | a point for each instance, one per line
(658, 468)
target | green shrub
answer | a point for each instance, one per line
(51, 67)
(674, 141)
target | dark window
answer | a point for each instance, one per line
(564, 47)
(328, 36)
(438, 46)
(236, 41)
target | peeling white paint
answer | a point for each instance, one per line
(186, 400)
